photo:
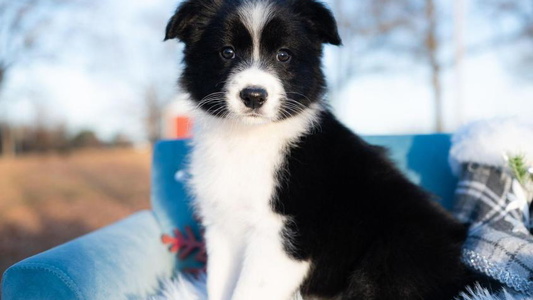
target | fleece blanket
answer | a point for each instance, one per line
(492, 199)
(189, 288)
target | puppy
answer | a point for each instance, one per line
(291, 200)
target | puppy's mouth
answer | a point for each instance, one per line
(254, 114)
(254, 117)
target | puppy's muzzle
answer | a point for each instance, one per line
(254, 97)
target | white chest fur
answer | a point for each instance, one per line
(234, 168)
(234, 178)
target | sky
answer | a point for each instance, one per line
(99, 76)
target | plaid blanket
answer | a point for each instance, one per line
(499, 243)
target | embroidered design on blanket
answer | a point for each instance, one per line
(185, 244)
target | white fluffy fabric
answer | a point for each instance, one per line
(489, 142)
(479, 293)
(187, 288)
(183, 288)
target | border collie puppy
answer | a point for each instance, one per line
(291, 200)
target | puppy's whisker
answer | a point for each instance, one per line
(221, 82)
(219, 110)
(290, 100)
(210, 99)
(285, 113)
(211, 95)
(293, 107)
(299, 94)
(293, 103)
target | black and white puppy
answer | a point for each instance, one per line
(291, 200)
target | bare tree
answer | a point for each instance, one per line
(408, 28)
(519, 10)
(154, 109)
(23, 24)
(141, 61)
(519, 35)
(431, 47)
(112, 56)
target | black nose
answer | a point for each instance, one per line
(254, 97)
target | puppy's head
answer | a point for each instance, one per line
(256, 61)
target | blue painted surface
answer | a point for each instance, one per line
(424, 159)
(169, 197)
(126, 260)
(170, 200)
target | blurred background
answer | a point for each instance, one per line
(87, 86)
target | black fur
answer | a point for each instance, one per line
(368, 232)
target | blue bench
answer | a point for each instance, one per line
(128, 259)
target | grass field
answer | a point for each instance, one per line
(46, 200)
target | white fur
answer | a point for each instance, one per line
(233, 168)
(255, 15)
(489, 142)
(479, 293)
(254, 76)
(187, 288)
(183, 288)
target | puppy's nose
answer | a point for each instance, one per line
(254, 97)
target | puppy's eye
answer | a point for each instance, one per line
(227, 53)
(284, 56)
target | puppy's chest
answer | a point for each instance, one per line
(235, 178)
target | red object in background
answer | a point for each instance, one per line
(183, 127)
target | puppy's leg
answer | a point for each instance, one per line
(224, 262)
(268, 273)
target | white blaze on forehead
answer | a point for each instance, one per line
(255, 15)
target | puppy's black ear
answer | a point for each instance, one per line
(321, 20)
(190, 19)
